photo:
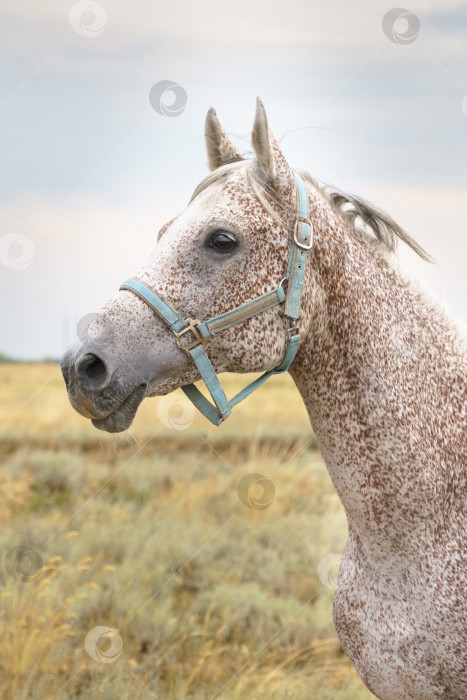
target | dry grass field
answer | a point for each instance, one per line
(205, 578)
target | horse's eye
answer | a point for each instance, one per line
(224, 242)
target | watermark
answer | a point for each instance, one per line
(407, 339)
(464, 105)
(103, 644)
(328, 570)
(83, 325)
(95, 329)
(168, 98)
(88, 18)
(23, 563)
(416, 649)
(16, 251)
(176, 412)
(256, 491)
(401, 26)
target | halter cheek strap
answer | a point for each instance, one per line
(221, 407)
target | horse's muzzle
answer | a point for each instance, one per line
(97, 391)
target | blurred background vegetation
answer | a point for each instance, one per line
(145, 533)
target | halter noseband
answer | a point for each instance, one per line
(222, 408)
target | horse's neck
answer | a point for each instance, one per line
(384, 385)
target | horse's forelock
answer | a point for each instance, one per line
(217, 175)
(262, 191)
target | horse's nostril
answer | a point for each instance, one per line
(95, 369)
(92, 369)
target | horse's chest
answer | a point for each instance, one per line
(394, 639)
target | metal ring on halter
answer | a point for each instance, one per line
(293, 329)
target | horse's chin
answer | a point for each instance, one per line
(121, 419)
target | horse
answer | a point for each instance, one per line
(380, 366)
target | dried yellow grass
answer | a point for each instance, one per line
(147, 535)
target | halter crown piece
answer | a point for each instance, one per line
(222, 407)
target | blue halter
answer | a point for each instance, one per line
(222, 407)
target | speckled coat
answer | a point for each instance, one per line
(381, 369)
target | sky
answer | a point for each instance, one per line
(367, 96)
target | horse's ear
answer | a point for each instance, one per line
(271, 160)
(220, 148)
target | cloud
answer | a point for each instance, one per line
(90, 170)
(214, 23)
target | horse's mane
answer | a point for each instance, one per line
(365, 219)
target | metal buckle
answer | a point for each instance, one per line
(303, 220)
(192, 323)
(293, 330)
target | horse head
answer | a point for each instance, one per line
(228, 246)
